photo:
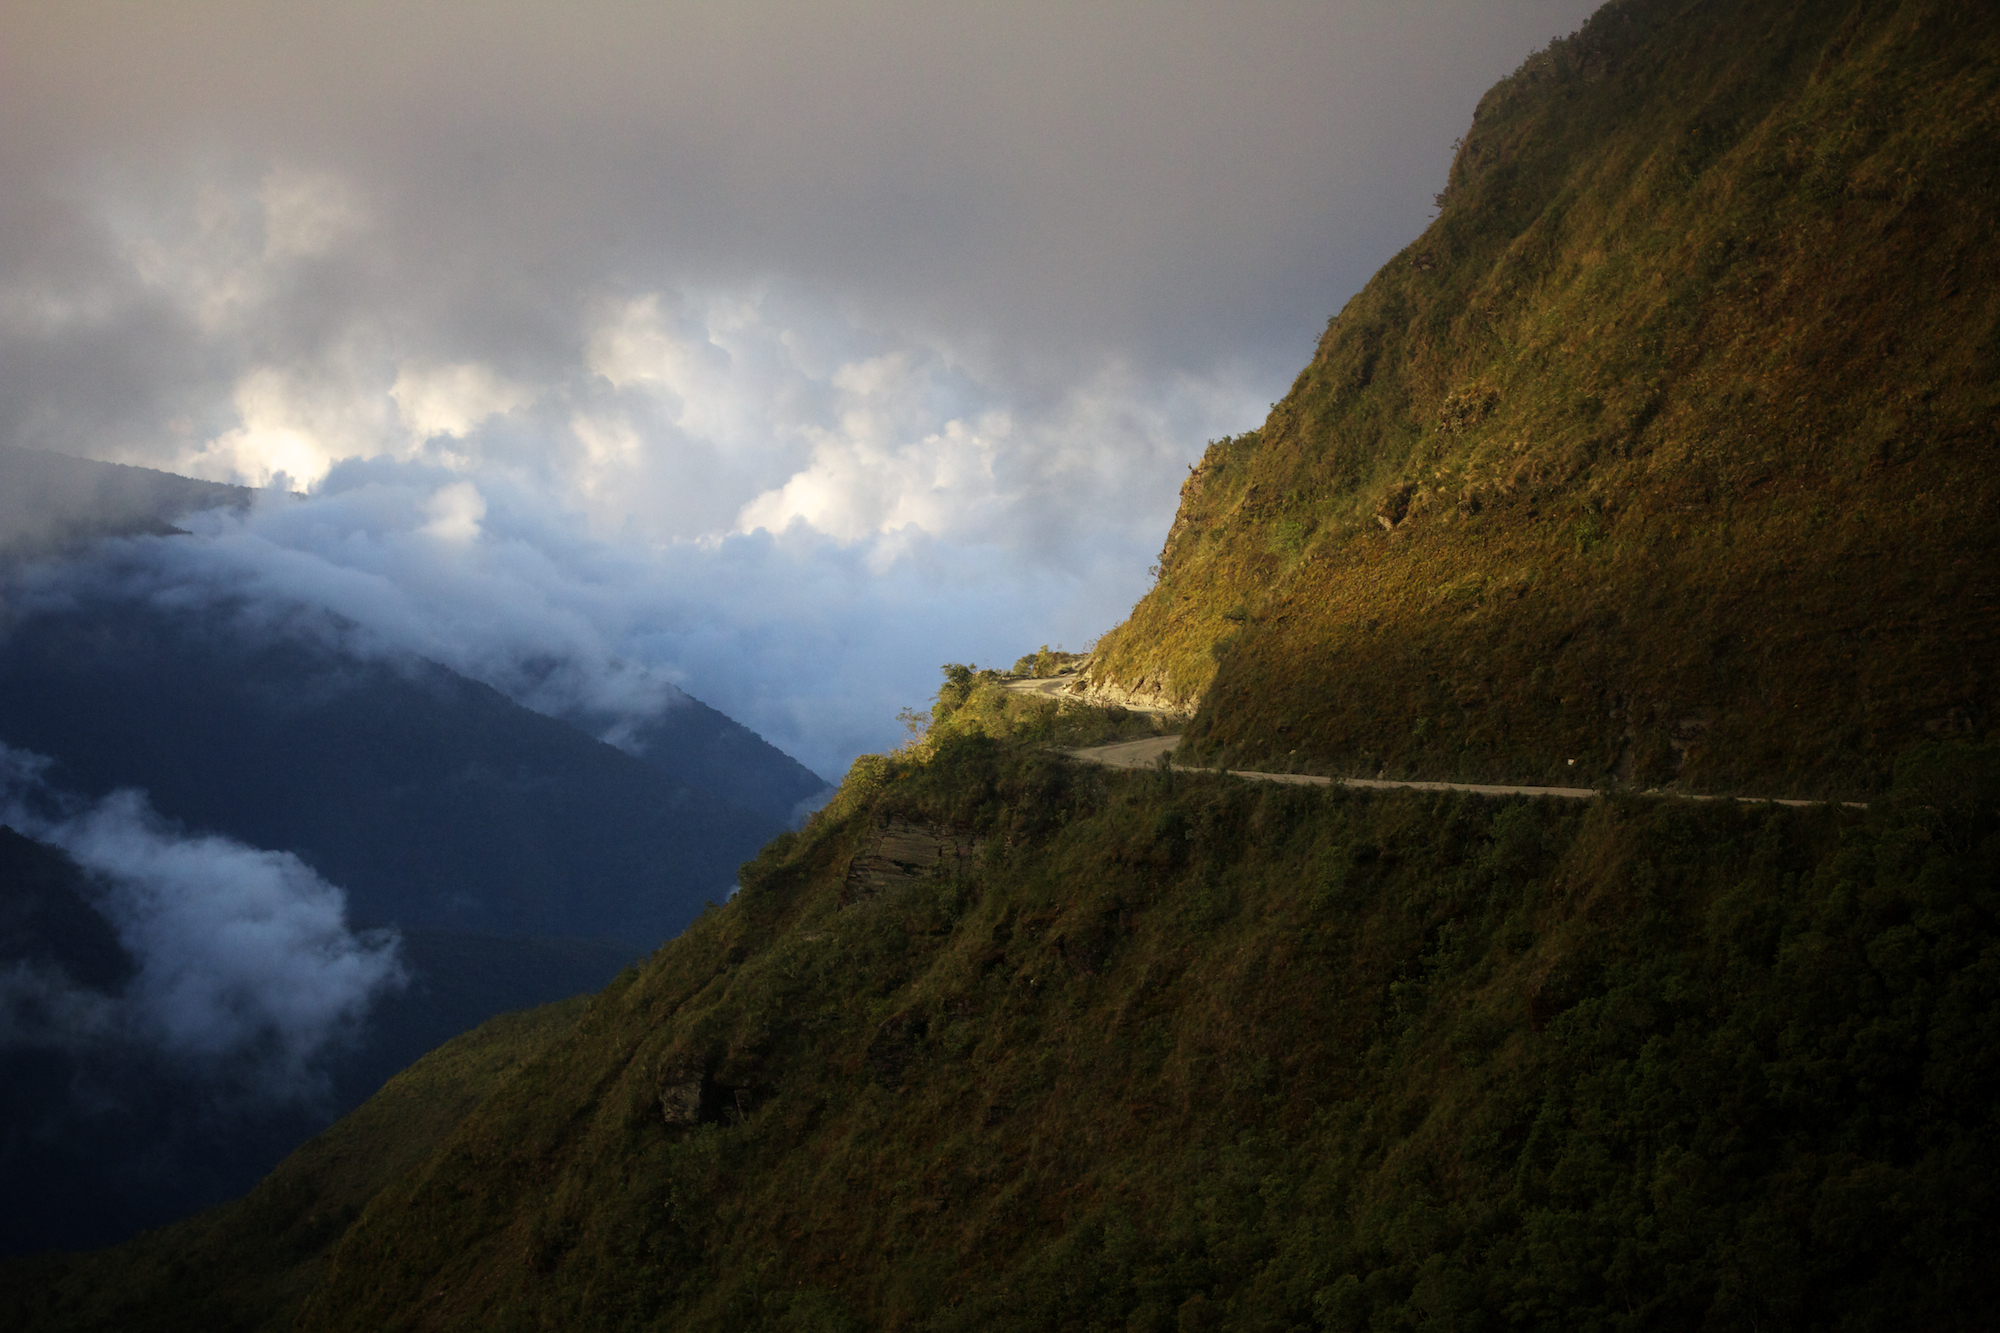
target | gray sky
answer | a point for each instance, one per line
(782, 350)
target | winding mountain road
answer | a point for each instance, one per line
(1063, 690)
(1147, 752)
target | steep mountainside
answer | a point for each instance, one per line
(999, 1042)
(1667, 453)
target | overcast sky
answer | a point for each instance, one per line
(780, 351)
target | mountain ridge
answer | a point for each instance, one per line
(517, 858)
(1668, 449)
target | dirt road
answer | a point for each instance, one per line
(1145, 753)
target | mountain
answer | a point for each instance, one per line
(1665, 456)
(707, 749)
(1000, 1041)
(103, 1135)
(46, 916)
(431, 799)
(51, 502)
(1158, 1050)
(519, 859)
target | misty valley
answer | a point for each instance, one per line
(254, 870)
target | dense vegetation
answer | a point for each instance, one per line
(1669, 448)
(1186, 1051)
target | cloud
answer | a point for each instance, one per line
(244, 956)
(307, 213)
(1035, 185)
(814, 643)
(451, 400)
(292, 427)
(455, 512)
(649, 347)
(749, 497)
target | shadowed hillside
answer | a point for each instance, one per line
(1669, 449)
(1000, 1042)
(246, 1265)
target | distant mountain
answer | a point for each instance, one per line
(432, 799)
(713, 752)
(100, 1136)
(50, 501)
(520, 859)
(46, 917)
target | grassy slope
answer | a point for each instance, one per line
(1688, 398)
(249, 1264)
(1190, 1052)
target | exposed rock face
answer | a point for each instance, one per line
(1394, 505)
(898, 850)
(682, 1089)
(1188, 519)
(1145, 697)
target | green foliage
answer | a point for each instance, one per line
(978, 702)
(1043, 662)
(1172, 1050)
(1953, 788)
(1695, 372)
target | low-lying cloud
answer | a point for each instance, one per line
(813, 643)
(769, 352)
(790, 516)
(245, 964)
